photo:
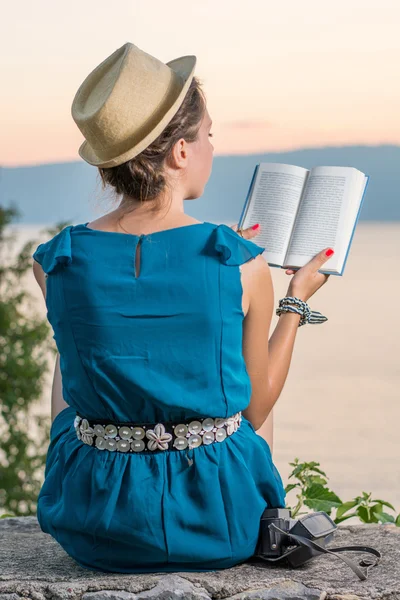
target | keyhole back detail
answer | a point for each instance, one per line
(138, 257)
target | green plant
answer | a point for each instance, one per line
(314, 493)
(24, 345)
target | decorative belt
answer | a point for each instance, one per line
(127, 437)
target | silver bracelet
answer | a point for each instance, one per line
(294, 304)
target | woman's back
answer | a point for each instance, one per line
(162, 343)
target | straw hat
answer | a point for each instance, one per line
(126, 101)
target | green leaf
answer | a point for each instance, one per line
(353, 514)
(313, 466)
(385, 518)
(297, 470)
(305, 467)
(317, 479)
(384, 503)
(290, 487)
(398, 520)
(319, 470)
(345, 507)
(362, 512)
(318, 497)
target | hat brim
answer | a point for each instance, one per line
(184, 66)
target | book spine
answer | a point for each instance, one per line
(245, 207)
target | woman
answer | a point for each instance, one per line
(161, 323)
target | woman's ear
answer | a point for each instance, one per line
(179, 155)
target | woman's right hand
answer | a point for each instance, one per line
(307, 280)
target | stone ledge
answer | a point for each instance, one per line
(34, 566)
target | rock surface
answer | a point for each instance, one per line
(33, 565)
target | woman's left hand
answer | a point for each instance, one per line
(248, 233)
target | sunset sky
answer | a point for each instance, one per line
(277, 75)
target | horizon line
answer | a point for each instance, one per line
(222, 155)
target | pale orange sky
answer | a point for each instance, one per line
(277, 76)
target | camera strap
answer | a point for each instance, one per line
(314, 546)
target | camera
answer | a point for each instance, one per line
(282, 538)
(271, 542)
(280, 535)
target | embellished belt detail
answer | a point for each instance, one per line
(128, 437)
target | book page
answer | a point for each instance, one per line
(326, 215)
(273, 202)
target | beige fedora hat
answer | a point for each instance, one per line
(126, 101)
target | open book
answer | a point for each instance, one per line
(303, 211)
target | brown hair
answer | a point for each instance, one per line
(143, 177)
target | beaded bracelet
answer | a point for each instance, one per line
(294, 304)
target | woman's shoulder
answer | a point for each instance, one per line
(56, 251)
(232, 248)
(227, 244)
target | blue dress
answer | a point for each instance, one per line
(165, 345)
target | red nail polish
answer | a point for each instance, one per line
(329, 252)
(256, 226)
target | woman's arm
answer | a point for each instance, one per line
(57, 401)
(267, 360)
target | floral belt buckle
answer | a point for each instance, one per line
(127, 437)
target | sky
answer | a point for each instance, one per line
(277, 76)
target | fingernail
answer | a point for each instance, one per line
(256, 226)
(329, 252)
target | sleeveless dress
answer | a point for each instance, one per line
(163, 345)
